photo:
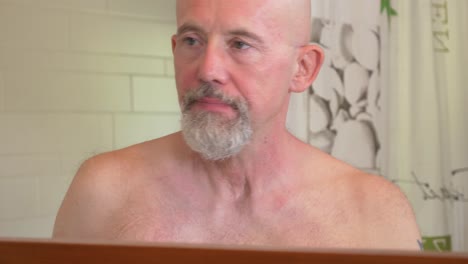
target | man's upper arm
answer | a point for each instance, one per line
(89, 201)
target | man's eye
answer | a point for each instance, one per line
(240, 45)
(190, 41)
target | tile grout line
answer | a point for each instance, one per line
(2, 92)
(114, 140)
(132, 93)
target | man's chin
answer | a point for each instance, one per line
(210, 153)
(214, 135)
(214, 145)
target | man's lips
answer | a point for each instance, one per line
(213, 104)
(210, 100)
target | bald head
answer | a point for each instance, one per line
(291, 17)
(299, 20)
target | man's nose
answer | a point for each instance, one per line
(212, 65)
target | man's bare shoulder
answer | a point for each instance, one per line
(102, 185)
(389, 215)
(377, 207)
(96, 187)
(111, 170)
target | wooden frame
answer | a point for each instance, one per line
(60, 252)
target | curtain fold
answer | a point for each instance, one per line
(427, 119)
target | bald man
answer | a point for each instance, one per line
(234, 174)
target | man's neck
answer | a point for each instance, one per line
(261, 165)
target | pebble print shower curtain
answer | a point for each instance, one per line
(391, 100)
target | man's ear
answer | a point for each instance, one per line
(173, 43)
(309, 61)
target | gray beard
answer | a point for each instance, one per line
(213, 135)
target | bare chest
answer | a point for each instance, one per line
(171, 215)
(301, 230)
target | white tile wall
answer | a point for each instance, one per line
(49, 29)
(108, 64)
(51, 190)
(133, 128)
(55, 133)
(22, 25)
(20, 59)
(160, 9)
(18, 197)
(29, 165)
(15, 24)
(77, 77)
(33, 169)
(169, 67)
(66, 91)
(37, 227)
(70, 163)
(155, 95)
(75, 4)
(96, 33)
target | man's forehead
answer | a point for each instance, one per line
(279, 16)
(231, 16)
(216, 9)
(237, 5)
(286, 6)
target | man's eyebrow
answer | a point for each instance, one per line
(235, 32)
(246, 33)
(189, 27)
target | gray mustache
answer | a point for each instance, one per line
(207, 90)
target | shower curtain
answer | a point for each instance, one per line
(390, 99)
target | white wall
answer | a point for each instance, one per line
(77, 77)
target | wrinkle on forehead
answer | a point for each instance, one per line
(291, 16)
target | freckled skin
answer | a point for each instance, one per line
(277, 191)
